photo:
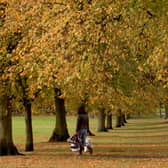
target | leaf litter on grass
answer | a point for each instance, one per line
(121, 154)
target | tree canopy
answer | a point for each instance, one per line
(110, 53)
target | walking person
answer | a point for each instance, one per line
(82, 127)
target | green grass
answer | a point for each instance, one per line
(42, 127)
(138, 131)
(142, 143)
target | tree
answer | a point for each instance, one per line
(109, 121)
(106, 51)
(119, 121)
(33, 54)
(109, 49)
(101, 120)
(7, 146)
(60, 132)
(166, 111)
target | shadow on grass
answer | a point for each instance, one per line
(147, 128)
(100, 155)
(125, 156)
(143, 137)
(106, 153)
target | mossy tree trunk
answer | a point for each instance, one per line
(101, 120)
(60, 132)
(7, 146)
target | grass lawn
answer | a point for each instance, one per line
(142, 143)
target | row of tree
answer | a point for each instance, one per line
(109, 55)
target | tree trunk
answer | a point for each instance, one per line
(160, 110)
(128, 116)
(101, 120)
(166, 111)
(60, 132)
(29, 130)
(119, 119)
(124, 118)
(7, 146)
(90, 133)
(109, 121)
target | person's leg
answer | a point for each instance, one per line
(82, 135)
(80, 142)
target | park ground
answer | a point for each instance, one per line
(142, 143)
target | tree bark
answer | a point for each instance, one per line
(166, 111)
(101, 120)
(89, 131)
(29, 130)
(119, 119)
(7, 146)
(160, 110)
(109, 121)
(124, 118)
(28, 113)
(60, 132)
(128, 116)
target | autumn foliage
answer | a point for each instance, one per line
(93, 48)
